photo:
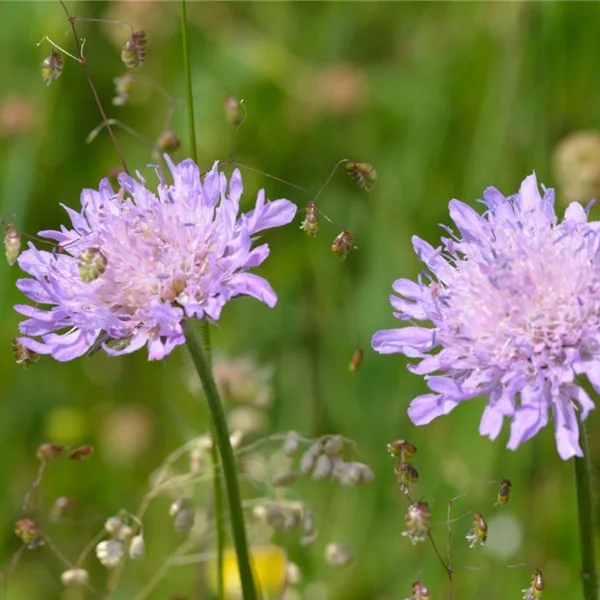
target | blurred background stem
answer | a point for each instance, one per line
(583, 486)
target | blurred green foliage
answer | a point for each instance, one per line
(444, 99)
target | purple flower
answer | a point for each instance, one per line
(511, 311)
(136, 264)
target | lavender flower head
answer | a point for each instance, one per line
(511, 311)
(154, 259)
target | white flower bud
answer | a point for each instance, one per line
(291, 443)
(137, 548)
(291, 522)
(177, 506)
(338, 554)
(307, 461)
(334, 445)
(113, 524)
(367, 474)
(308, 522)
(284, 479)
(351, 474)
(322, 468)
(275, 517)
(293, 574)
(75, 578)
(110, 553)
(236, 439)
(184, 520)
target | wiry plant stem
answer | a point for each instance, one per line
(583, 488)
(221, 434)
(83, 63)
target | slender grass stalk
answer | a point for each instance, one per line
(583, 486)
(203, 331)
(199, 356)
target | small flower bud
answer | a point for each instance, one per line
(49, 451)
(92, 263)
(12, 244)
(284, 479)
(110, 553)
(168, 141)
(334, 445)
(236, 439)
(536, 589)
(403, 450)
(308, 540)
(504, 492)
(311, 220)
(419, 592)
(342, 244)
(184, 520)
(123, 85)
(75, 578)
(356, 360)
(118, 528)
(293, 574)
(197, 461)
(52, 67)
(364, 174)
(61, 508)
(367, 474)
(137, 548)
(406, 475)
(308, 522)
(81, 452)
(291, 443)
(232, 110)
(275, 517)
(478, 533)
(23, 356)
(338, 554)
(350, 474)
(418, 517)
(322, 468)
(307, 460)
(29, 533)
(291, 522)
(134, 50)
(177, 506)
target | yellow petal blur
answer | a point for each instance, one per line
(269, 567)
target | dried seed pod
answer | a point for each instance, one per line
(418, 518)
(52, 67)
(123, 85)
(23, 356)
(134, 50)
(307, 460)
(504, 491)
(478, 533)
(168, 141)
(49, 451)
(338, 554)
(12, 244)
(284, 479)
(419, 591)
(75, 578)
(184, 520)
(356, 360)
(291, 443)
(110, 553)
(322, 468)
(232, 110)
(536, 589)
(275, 517)
(343, 243)
(406, 475)
(364, 174)
(91, 263)
(311, 220)
(403, 450)
(29, 533)
(81, 452)
(334, 445)
(137, 548)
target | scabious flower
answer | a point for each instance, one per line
(510, 310)
(136, 264)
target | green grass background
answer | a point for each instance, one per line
(444, 99)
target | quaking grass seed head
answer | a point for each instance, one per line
(418, 519)
(343, 244)
(52, 67)
(12, 244)
(23, 356)
(29, 533)
(311, 220)
(478, 532)
(134, 50)
(536, 589)
(504, 492)
(364, 174)
(403, 450)
(419, 591)
(406, 475)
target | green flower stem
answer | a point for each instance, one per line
(586, 520)
(189, 97)
(221, 432)
(218, 515)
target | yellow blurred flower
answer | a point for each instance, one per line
(268, 563)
